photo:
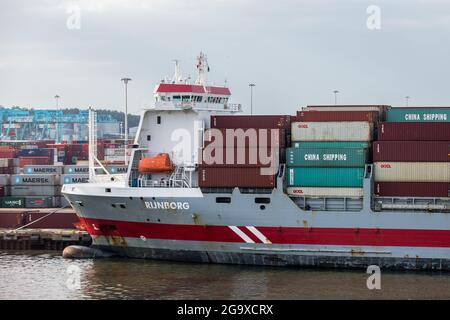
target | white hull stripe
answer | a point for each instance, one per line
(259, 235)
(241, 234)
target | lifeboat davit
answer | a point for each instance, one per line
(159, 163)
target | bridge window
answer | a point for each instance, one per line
(176, 98)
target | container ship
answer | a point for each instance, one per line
(331, 186)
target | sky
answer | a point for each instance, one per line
(295, 52)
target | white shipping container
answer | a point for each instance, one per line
(331, 131)
(42, 169)
(24, 191)
(115, 158)
(343, 108)
(35, 179)
(74, 178)
(114, 151)
(412, 171)
(324, 192)
(117, 151)
(4, 162)
(5, 179)
(76, 169)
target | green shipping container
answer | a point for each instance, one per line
(418, 115)
(330, 144)
(332, 157)
(12, 202)
(325, 177)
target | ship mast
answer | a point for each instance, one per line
(203, 69)
(177, 77)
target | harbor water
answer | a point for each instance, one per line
(46, 275)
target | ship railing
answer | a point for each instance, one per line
(145, 182)
(185, 105)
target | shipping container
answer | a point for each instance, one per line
(7, 152)
(414, 131)
(33, 169)
(325, 177)
(74, 169)
(332, 157)
(412, 151)
(5, 179)
(12, 202)
(412, 189)
(418, 114)
(26, 191)
(412, 171)
(5, 191)
(42, 202)
(6, 162)
(331, 144)
(324, 192)
(257, 122)
(74, 178)
(249, 137)
(35, 179)
(213, 177)
(336, 116)
(117, 169)
(10, 170)
(332, 131)
(380, 108)
(23, 161)
(36, 152)
(240, 157)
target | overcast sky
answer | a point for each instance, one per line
(296, 52)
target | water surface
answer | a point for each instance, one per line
(45, 275)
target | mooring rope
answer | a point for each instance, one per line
(32, 222)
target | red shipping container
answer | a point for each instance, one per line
(321, 116)
(7, 152)
(212, 177)
(411, 151)
(412, 189)
(35, 161)
(414, 131)
(257, 122)
(280, 140)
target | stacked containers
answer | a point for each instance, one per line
(39, 185)
(235, 162)
(35, 156)
(73, 174)
(329, 152)
(412, 156)
(8, 166)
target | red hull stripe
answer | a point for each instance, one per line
(276, 235)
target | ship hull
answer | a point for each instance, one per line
(187, 225)
(279, 259)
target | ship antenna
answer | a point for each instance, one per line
(177, 77)
(203, 69)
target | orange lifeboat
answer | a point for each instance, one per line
(159, 163)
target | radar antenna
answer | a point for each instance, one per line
(203, 69)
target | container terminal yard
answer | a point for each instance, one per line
(40, 150)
